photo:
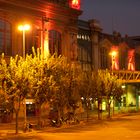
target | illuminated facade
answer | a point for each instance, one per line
(98, 50)
(53, 26)
(53, 29)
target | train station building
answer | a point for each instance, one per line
(54, 26)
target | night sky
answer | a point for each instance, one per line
(120, 15)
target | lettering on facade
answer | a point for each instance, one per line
(83, 37)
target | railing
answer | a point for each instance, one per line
(127, 76)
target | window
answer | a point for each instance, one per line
(104, 57)
(5, 37)
(55, 42)
(85, 54)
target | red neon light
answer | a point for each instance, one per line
(75, 4)
(131, 60)
(114, 54)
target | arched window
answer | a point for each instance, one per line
(5, 37)
(104, 57)
(55, 42)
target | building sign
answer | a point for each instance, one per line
(74, 4)
(131, 61)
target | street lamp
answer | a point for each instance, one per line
(24, 28)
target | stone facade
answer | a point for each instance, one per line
(47, 18)
(55, 28)
(95, 48)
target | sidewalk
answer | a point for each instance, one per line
(9, 128)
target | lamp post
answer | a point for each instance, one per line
(24, 28)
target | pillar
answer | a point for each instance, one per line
(95, 31)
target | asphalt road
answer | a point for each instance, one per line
(123, 128)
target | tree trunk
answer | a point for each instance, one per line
(99, 109)
(109, 110)
(87, 110)
(59, 116)
(109, 113)
(16, 121)
(17, 109)
(113, 108)
(39, 115)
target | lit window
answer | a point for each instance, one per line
(5, 37)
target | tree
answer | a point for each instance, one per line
(41, 82)
(16, 82)
(65, 80)
(73, 88)
(98, 90)
(110, 87)
(20, 72)
(59, 72)
(87, 90)
(5, 104)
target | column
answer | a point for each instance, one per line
(95, 31)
